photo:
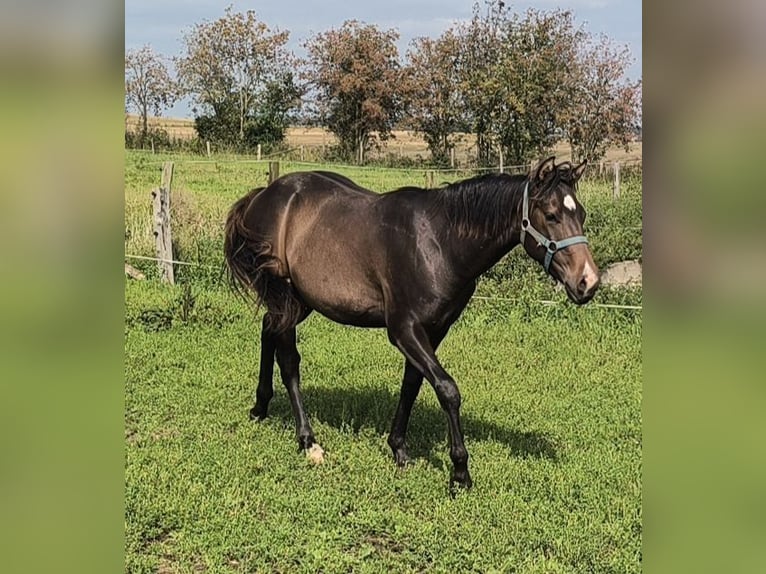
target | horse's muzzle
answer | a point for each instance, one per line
(585, 288)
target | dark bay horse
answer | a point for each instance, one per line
(406, 261)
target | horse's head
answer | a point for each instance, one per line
(552, 228)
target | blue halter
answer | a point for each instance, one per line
(551, 246)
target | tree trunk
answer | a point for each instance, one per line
(145, 125)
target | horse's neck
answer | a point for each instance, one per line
(476, 254)
(482, 254)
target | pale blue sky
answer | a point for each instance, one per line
(161, 23)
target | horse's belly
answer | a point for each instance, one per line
(343, 293)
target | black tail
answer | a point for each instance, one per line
(253, 270)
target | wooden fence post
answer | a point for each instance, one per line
(500, 152)
(162, 237)
(258, 156)
(273, 171)
(616, 190)
(429, 179)
(207, 144)
(303, 154)
(452, 157)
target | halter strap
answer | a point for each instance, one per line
(551, 246)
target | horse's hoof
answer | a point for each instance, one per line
(402, 459)
(257, 414)
(315, 454)
(460, 484)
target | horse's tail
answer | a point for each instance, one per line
(253, 270)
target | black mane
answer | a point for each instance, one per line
(483, 205)
(486, 205)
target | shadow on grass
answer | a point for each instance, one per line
(351, 409)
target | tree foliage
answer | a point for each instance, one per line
(148, 85)
(238, 71)
(606, 106)
(434, 107)
(521, 82)
(358, 83)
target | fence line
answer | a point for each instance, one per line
(478, 297)
(175, 262)
(264, 159)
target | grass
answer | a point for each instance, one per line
(551, 413)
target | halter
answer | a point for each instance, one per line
(551, 246)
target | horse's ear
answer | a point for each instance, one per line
(544, 169)
(580, 169)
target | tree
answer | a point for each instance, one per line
(235, 66)
(434, 106)
(356, 77)
(479, 88)
(536, 72)
(606, 106)
(148, 85)
(515, 79)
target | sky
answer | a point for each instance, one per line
(162, 23)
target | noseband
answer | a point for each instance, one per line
(551, 246)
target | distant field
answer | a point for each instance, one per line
(405, 143)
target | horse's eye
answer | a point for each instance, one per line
(551, 217)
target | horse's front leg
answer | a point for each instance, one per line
(412, 340)
(411, 383)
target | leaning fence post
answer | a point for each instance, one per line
(273, 171)
(616, 190)
(162, 237)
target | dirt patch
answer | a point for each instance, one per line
(623, 273)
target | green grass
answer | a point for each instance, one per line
(551, 414)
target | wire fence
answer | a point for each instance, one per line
(475, 297)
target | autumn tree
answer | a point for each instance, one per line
(237, 69)
(148, 85)
(606, 106)
(529, 80)
(515, 79)
(479, 87)
(356, 79)
(434, 106)
(536, 72)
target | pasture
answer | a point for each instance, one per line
(551, 414)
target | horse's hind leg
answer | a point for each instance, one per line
(289, 360)
(265, 390)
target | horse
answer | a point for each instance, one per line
(406, 260)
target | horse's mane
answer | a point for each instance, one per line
(486, 205)
(483, 205)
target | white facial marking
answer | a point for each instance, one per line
(569, 203)
(589, 275)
